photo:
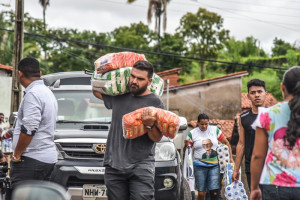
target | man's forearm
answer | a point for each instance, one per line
(239, 155)
(23, 142)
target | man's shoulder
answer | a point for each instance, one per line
(246, 113)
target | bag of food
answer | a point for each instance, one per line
(166, 121)
(133, 126)
(116, 82)
(157, 85)
(112, 83)
(114, 61)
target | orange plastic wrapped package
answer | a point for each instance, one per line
(114, 61)
(132, 124)
(168, 123)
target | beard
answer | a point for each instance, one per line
(137, 90)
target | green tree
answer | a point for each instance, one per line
(280, 47)
(204, 33)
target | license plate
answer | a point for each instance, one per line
(91, 190)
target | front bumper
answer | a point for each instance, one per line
(68, 174)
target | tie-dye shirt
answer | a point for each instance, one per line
(196, 136)
(282, 166)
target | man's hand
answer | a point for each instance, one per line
(235, 175)
(186, 142)
(148, 117)
(255, 194)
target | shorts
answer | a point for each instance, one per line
(207, 178)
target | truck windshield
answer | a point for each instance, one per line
(81, 107)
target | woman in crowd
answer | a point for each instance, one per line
(204, 139)
(275, 161)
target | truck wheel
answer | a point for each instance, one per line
(187, 195)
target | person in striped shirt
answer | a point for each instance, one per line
(204, 139)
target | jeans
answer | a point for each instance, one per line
(207, 178)
(133, 184)
(274, 192)
(29, 169)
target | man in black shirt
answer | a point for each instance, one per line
(257, 96)
(129, 163)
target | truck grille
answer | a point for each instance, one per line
(82, 150)
(74, 181)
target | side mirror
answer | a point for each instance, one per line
(41, 190)
(12, 118)
(183, 124)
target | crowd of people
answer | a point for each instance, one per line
(269, 138)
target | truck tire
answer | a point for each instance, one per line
(187, 195)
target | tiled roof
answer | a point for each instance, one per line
(6, 67)
(246, 103)
(204, 81)
(167, 72)
(225, 125)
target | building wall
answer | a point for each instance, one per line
(220, 99)
(5, 93)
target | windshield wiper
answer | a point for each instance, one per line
(85, 122)
(69, 121)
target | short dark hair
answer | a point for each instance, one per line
(30, 67)
(144, 66)
(1, 114)
(256, 82)
(202, 116)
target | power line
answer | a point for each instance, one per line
(53, 37)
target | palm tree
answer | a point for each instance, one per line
(156, 7)
(44, 3)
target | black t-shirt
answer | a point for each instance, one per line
(124, 153)
(247, 119)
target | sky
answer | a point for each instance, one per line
(264, 20)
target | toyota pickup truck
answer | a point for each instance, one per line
(81, 132)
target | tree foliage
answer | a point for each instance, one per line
(204, 34)
(280, 47)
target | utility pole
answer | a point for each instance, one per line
(158, 14)
(18, 54)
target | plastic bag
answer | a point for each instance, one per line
(114, 61)
(223, 156)
(112, 83)
(116, 82)
(166, 121)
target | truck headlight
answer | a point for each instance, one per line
(165, 151)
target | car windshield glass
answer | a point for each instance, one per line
(80, 106)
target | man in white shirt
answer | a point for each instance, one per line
(33, 140)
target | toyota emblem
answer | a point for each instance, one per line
(100, 148)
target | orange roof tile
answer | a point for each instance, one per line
(246, 103)
(226, 126)
(171, 71)
(242, 73)
(6, 67)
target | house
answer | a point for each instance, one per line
(5, 89)
(219, 97)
